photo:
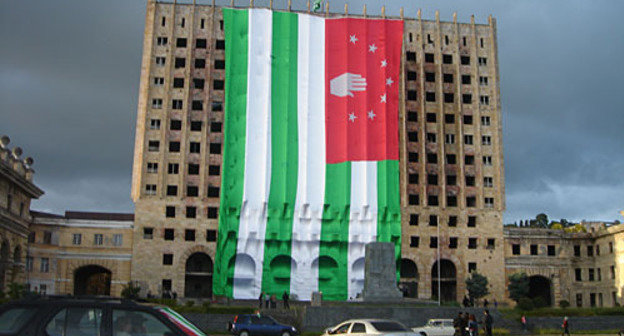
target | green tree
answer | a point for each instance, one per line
(16, 290)
(576, 228)
(518, 286)
(556, 226)
(477, 285)
(130, 291)
(542, 220)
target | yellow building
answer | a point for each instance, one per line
(79, 253)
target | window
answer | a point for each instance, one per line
(211, 235)
(213, 191)
(413, 199)
(175, 125)
(432, 158)
(468, 139)
(551, 250)
(485, 121)
(429, 58)
(163, 21)
(192, 191)
(174, 146)
(463, 42)
(610, 247)
(447, 59)
(431, 137)
(465, 60)
(410, 56)
(75, 321)
(170, 211)
(217, 106)
(159, 81)
(412, 136)
(533, 249)
(469, 160)
(590, 250)
(598, 274)
(182, 25)
(167, 259)
(430, 77)
(472, 267)
(451, 180)
(150, 189)
(214, 170)
(412, 95)
(193, 169)
(169, 234)
(213, 212)
(191, 212)
(31, 237)
(412, 116)
(466, 79)
(29, 264)
(176, 104)
(198, 83)
(172, 190)
(430, 97)
(157, 103)
(485, 100)
(215, 148)
(77, 239)
(189, 235)
(47, 237)
(449, 98)
(449, 118)
(577, 250)
(487, 160)
(515, 249)
(98, 239)
(414, 241)
(472, 243)
(181, 42)
(451, 200)
(448, 78)
(471, 201)
(148, 233)
(446, 39)
(470, 180)
(219, 64)
(166, 284)
(488, 182)
(431, 117)
(451, 159)
(200, 63)
(453, 242)
(161, 41)
(481, 42)
(173, 168)
(180, 62)
(597, 250)
(413, 178)
(432, 200)
(413, 220)
(590, 276)
(194, 147)
(152, 167)
(411, 75)
(160, 61)
(197, 105)
(491, 243)
(358, 328)
(412, 157)
(155, 124)
(215, 127)
(200, 43)
(467, 120)
(483, 81)
(117, 239)
(178, 83)
(612, 272)
(218, 84)
(482, 61)
(472, 221)
(466, 98)
(579, 299)
(433, 242)
(220, 44)
(196, 126)
(145, 322)
(433, 220)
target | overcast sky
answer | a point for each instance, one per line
(69, 78)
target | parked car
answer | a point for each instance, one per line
(363, 327)
(71, 316)
(436, 327)
(259, 325)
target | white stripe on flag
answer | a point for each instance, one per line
(362, 220)
(308, 214)
(248, 273)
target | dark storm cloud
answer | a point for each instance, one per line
(69, 73)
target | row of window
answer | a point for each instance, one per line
(453, 242)
(432, 158)
(430, 97)
(196, 105)
(432, 179)
(44, 264)
(592, 299)
(447, 40)
(448, 78)
(202, 23)
(189, 234)
(591, 249)
(412, 116)
(551, 250)
(410, 56)
(449, 139)
(414, 220)
(98, 238)
(451, 201)
(593, 274)
(182, 42)
(174, 147)
(191, 191)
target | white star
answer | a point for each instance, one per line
(389, 81)
(384, 63)
(371, 114)
(372, 48)
(352, 117)
(353, 39)
(383, 98)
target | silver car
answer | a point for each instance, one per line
(362, 327)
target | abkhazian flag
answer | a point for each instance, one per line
(310, 155)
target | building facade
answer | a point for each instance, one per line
(16, 192)
(451, 163)
(79, 253)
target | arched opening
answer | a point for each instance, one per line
(92, 280)
(17, 255)
(408, 283)
(539, 286)
(281, 268)
(198, 276)
(447, 280)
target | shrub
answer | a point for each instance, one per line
(539, 302)
(130, 291)
(525, 304)
(190, 303)
(564, 304)
(206, 306)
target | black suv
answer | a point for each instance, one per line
(70, 316)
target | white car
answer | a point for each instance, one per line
(362, 327)
(436, 327)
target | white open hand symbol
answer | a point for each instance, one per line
(346, 84)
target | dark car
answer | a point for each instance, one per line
(69, 316)
(259, 325)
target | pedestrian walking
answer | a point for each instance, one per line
(473, 326)
(465, 324)
(485, 303)
(285, 298)
(565, 326)
(487, 322)
(260, 299)
(466, 302)
(495, 303)
(457, 324)
(524, 323)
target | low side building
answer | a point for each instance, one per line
(80, 253)
(16, 191)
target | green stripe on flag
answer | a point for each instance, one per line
(334, 245)
(389, 205)
(236, 45)
(284, 155)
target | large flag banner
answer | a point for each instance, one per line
(311, 150)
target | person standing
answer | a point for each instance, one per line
(260, 299)
(487, 322)
(524, 323)
(565, 326)
(267, 300)
(485, 303)
(285, 298)
(473, 326)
